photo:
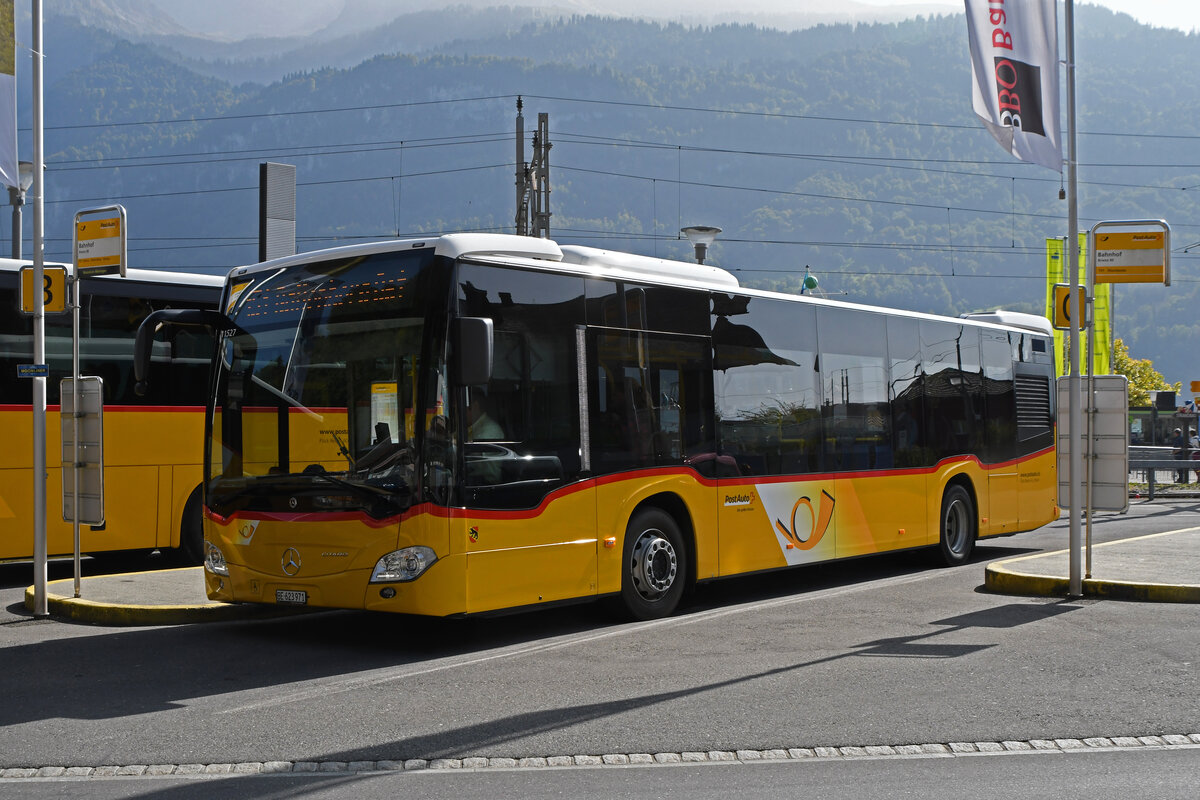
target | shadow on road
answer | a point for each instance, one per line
(488, 736)
(89, 676)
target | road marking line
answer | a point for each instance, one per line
(1097, 544)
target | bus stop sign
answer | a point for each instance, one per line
(54, 290)
(1062, 306)
(100, 247)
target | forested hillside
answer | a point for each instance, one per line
(850, 150)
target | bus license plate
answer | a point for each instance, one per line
(292, 596)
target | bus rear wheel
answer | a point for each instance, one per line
(958, 526)
(654, 566)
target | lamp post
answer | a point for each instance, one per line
(16, 198)
(701, 236)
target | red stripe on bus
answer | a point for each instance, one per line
(459, 512)
(109, 408)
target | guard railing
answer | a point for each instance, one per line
(1149, 460)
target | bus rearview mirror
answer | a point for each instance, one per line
(472, 343)
(212, 321)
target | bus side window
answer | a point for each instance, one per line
(953, 389)
(652, 400)
(767, 388)
(999, 397)
(854, 390)
(906, 390)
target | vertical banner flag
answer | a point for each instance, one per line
(1056, 272)
(1014, 67)
(8, 95)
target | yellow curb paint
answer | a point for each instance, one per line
(80, 609)
(998, 578)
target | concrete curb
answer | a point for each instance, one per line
(123, 614)
(94, 612)
(1003, 578)
(610, 760)
(1003, 581)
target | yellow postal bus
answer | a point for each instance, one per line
(153, 445)
(480, 422)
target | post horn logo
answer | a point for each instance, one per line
(818, 522)
(246, 529)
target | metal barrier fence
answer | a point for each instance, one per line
(1150, 462)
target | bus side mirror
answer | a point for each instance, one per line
(212, 321)
(471, 340)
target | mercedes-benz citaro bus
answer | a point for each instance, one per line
(477, 422)
(152, 444)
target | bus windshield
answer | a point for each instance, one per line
(320, 384)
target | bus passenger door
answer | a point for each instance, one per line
(530, 523)
(651, 435)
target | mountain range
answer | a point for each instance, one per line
(849, 150)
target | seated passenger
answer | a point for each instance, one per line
(484, 463)
(480, 426)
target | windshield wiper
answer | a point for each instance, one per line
(398, 496)
(342, 446)
(320, 472)
(227, 495)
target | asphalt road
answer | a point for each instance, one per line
(876, 652)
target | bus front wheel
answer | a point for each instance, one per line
(958, 525)
(654, 567)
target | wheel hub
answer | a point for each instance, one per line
(956, 526)
(654, 565)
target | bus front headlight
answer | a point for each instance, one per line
(400, 566)
(214, 560)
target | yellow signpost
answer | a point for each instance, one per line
(1131, 257)
(1062, 305)
(99, 246)
(54, 290)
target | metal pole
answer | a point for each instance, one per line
(1112, 326)
(40, 605)
(1089, 293)
(16, 196)
(520, 172)
(1075, 466)
(543, 185)
(75, 422)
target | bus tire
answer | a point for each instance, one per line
(654, 566)
(957, 526)
(191, 530)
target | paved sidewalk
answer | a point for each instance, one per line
(1160, 567)
(161, 597)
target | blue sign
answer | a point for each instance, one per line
(33, 371)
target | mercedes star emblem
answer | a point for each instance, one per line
(291, 561)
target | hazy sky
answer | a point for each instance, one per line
(236, 19)
(1181, 14)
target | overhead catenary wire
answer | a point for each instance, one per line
(257, 153)
(909, 163)
(963, 126)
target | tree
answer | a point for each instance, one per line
(1143, 377)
